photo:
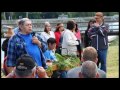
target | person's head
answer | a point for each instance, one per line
(71, 25)
(25, 67)
(76, 26)
(59, 27)
(90, 54)
(47, 27)
(51, 43)
(9, 32)
(25, 25)
(99, 17)
(91, 23)
(89, 70)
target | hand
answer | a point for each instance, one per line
(36, 41)
(49, 62)
(96, 24)
(12, 74)
(41, 72)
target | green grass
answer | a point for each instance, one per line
(113, 60)
(115, 42)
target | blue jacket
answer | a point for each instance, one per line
(16, 47)
(99, 37)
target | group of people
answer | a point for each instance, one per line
(25, 46)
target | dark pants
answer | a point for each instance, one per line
(59, 74)
(102, 56)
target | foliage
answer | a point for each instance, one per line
(49, 71)
(66, 62)
(46, 15)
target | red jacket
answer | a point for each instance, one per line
(57, 37)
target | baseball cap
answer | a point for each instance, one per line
(25, 64)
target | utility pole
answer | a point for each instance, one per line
(4, 14)
(27, 14)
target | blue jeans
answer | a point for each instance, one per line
(102, 55)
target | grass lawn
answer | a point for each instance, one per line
(113, 60)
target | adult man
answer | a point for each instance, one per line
(25, 42)
(99, 38)
(26, 68)
(89, 70)
(89, 54)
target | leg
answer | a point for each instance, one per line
(102, 58)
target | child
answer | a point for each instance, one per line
(49, 53)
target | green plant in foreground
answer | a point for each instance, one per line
(66, 61)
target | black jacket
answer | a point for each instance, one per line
(87, 40)
(5, 46)
(99, 37)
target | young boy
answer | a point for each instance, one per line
(49, 54)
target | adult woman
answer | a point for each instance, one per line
(58, 32)
(87, 40)
(69, 40)
(77, 33)
(47, 32)
(24, 42)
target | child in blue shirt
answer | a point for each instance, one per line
(49, 53)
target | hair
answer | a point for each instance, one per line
(100, 14)
(76, 29)
(45, 29)
(23, 73)
(23, 20)
(90, 53)
(93, 21)
(27, 70)
(89, 69)
(51, 40)
(70, 25)
(57, 27)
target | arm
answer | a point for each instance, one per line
(43, 44)
(41, 72)
(57, 39)
(43, 60)
(12, 74)
(93, 31)
(69, 40)
(103, 30)
(11, 54)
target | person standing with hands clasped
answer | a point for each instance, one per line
(99, 38)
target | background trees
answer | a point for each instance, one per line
(47, 15)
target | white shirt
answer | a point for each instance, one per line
(69, 43)
(45, 36)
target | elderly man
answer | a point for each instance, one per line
(89, 70)
(89, 54)
(25, 42)
(26, 68)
